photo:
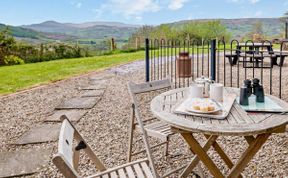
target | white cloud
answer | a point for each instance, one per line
(98, 12)
(243, 1)
(234, 1)
(129, 9)
(176, 4)
(78, 5)
(254, 1)
(258, 13)
(138, 18)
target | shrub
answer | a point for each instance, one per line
(13, 60)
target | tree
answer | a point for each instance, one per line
(7, 43)
(258, 28)
(284, 20)
(256, 33)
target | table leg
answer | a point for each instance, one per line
(274, 60)
(249, 139)
(221, 153)
(281, 62)
(254, 147)
(201, 153)
(196, 160)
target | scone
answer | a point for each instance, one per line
(196, 107)
(204, 108)
(211, 107)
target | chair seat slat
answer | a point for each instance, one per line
(113, 175)
(130, 172)
(105, 176)
(146, 170)
(139, 171)
(122, 173)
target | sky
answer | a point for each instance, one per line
(149, 12)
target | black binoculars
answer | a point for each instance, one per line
(249, 88)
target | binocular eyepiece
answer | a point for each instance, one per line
(249, 88)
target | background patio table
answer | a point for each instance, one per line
(251, 50)
(256, 46)
(254, 127)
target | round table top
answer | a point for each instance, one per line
(238, 122)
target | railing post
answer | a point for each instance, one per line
(213, 60)
(147, 60)
(286, 28)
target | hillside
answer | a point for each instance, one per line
(272, 27)
(33, 36)
(94, 30)
(89, 32)
(21, 32)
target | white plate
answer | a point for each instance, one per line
(189, 106)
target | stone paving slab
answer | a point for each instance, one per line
(23, 162)
(92, 93)
(40, 134)
(79, 103)
(94, 87)
(101, 76)
(73, 115)
(98, 82)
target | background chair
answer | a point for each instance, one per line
(67, 158)
(152, 126)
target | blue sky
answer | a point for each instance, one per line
(152, 12)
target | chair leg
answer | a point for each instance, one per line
(200, 170)
(131, 132)
(166, 147)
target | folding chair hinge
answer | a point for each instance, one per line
(81, 145)
(133, 106)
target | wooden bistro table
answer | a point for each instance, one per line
(255, 128)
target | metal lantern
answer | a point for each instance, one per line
(183, 63)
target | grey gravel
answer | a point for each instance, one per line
(105, 127)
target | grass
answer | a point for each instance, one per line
(19, 77)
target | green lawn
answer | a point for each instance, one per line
(19, 77)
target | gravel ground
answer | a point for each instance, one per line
(105, 127)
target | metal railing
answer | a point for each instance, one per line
(226, 63)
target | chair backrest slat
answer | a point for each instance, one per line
(65, 145)
(135, 89)
(149, 86)
(67, 157)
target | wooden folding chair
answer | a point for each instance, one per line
(67, 158)
(154, 128)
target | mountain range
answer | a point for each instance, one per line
(98, 31)
(272, 27)
(89, 30)
(55, 31)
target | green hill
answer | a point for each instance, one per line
(22, 32)
(90, 30)
(95, 32)
(33, 36)
(272, 27)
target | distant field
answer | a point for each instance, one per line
(19, 77)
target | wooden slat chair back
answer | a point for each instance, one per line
(67, 158)
(155, 129)
(149, 129)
